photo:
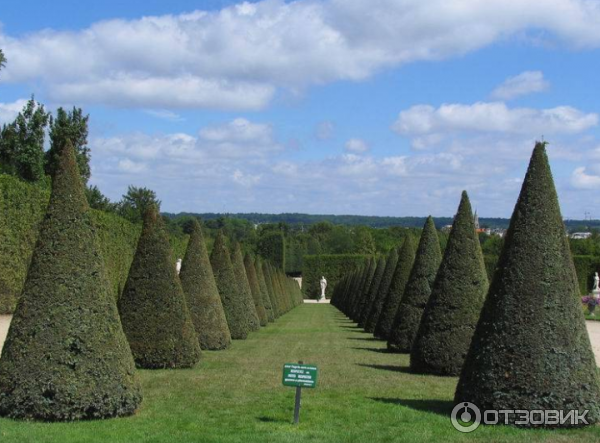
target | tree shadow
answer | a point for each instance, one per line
(378, 350)
(364, 338)
(440, 407)
(266, 419)
(393, 368)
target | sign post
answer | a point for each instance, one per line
(299, 376)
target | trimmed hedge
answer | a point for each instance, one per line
(153, 309)
(22, 208)
(531, 349)
(66, 357)
(202, 296)
(332, 266)
(271, 246)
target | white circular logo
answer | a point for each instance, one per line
(467, 413)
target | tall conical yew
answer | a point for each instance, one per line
(202, 295)
(154, 313)
(396, 290)
(233, 301)
(531, 350)
(455, 303)
(386, 280)
(66, 357)
(363, 290)
(373, 291)
(264, 290)
(412, 303)
(271, 290)
(237, 261)
(255, 288)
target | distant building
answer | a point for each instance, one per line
(580, 235)
(446, 228)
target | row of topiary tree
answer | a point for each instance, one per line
(518, 344)
(72, 350)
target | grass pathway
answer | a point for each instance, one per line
(364, 395)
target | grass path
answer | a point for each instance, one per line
(364, 395)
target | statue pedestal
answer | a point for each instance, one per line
(596, 293)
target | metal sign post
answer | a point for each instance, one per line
(299, 376)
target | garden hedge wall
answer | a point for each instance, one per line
(585, 265)
(271, 246)
(333, 267)
(22, 207)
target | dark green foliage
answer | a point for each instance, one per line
(456, 299)
(271, 246)
(153, 310)
(381, 295)
(531, 349)
(396, 289)
(585, 266)
(22, 143)
(372, 292)
(136, 202)
(69, 126)
(333, 267)
(237, 261)
(363, 290)
(264, 292)
(231, 297)
(2, 60)
(97, 200)
(412, 302)
(271, 290)
(66, 357)
(256, 291)
(490, 265)
(22, 207)
(202, 296)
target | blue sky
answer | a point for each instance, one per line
(346, 107)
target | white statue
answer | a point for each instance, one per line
(323, 287)
(596, 287)
(178, 266)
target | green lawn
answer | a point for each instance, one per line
(364, 395)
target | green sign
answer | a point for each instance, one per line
(297, 375)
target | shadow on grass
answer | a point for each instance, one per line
(364, 338)
(440, 407)
(266, 419)
(378, 350)
(393, 368)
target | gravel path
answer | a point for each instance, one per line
(4, 322)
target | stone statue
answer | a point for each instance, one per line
(323, 287)
(596, 287)
(178, 266)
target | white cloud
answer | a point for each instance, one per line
(492, 117)
(9, 111)
(356, 145)
(237, 57)
(581, 180)
(164, 114)
(525, 83)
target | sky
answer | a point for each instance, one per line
(379, 107)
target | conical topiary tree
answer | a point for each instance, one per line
(372, 292)
(237, 261)
(455, 303)
(264, 291)
(384, 286)
(231, 297)
(271, 290)
(362, 289)
(153, 310)
(396, 290)
(255, 288)
(202, 295)
(412, 303)
(66, 357)
(531, 350)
